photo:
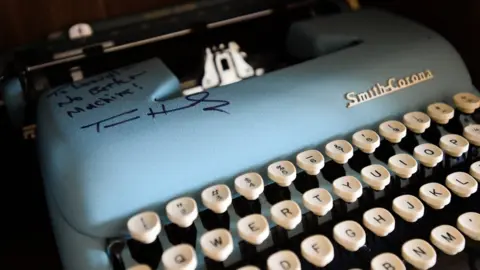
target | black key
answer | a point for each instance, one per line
(359, 161)
(114, 250)
(432, 134)
(149, 254)
(304, 182)
(332, 171)
(244, 207)
(275, 193)
(178, 235)
(409, 142)
(212, 220)
(384, 151)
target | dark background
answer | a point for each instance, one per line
(27, 242)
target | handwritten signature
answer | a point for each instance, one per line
(126, 117)
(196, 99)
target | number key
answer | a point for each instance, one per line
(282, 172)
(311, 161)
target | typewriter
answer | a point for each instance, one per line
(254, 135)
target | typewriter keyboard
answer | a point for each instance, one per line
(404, 196)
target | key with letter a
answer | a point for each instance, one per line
(181, 256)
(419, 253)
(217, 244)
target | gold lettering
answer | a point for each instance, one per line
(351, 97)
(392, 85)
(362, 97)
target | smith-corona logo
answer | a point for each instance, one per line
(393, 85)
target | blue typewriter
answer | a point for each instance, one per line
(278, 135)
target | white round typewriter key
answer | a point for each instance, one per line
(249, 185)
(454, 145)
(472, 134)
(286, 214)
(393, 131)
(435, 195)
(180, 257)
(408, 207)
(348, 188)
(366, 140)
(249, 267)
(318, 250)
(217, 198)
(340, 151)
(144, 227)
(282, 172)
(311, 161)
(253, 228)
(403, 165)
(140, 267)
(469, 224)
(318, 200)
(350, 235)
(475, 170)
(217, 244)
(448, 239)
(376, 176)
(419, 253)
(466, 102)
(462, 184)
(182, 211)
(428, 154)
(417, 122)
(387, 261)
(380, 221)
(440, 112)
(283, 260)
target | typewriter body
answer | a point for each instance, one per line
(352, 144)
